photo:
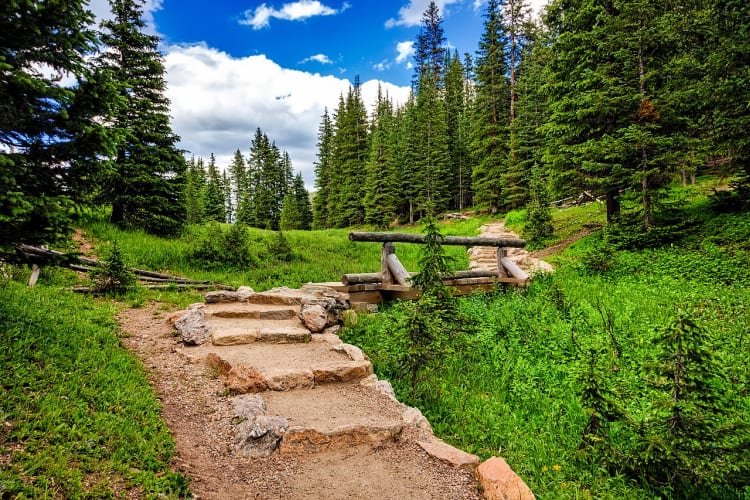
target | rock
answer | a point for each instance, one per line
(193, 326)
(244, 293)
(221, 296)
(413, 417)
(249, 406)
(314, 317)
(345, 373)
(447, 453)
(386, 388)
(243, 379)
(500, 482)
(222, 366)
(332, 330)
(354, 352)
(260, 436)
(286, 380)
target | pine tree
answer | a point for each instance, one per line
(238, 183)
(429, 56)
(323, 173)
(380, 185)
(215, 209)
(350, 156)
(195, 190)
(50, 134)
(146, 188)
(491, 117)
(457, 130)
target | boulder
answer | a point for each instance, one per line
(314, 317)
(499, 482)
(243, 379)
(193, 326)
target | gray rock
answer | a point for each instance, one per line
(354, 352)
(249, 406)
(260, 436)
(221, 296)
(244, 293)
(193, 326)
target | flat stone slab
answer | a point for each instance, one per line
(447, 453)
(335, 416)
(235, 331)
(279, 296)
(244, 310)
(288, 366)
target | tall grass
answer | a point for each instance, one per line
(512, 386)
(78, 417)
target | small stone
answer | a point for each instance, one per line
(500, 482)
(260, 436)
(249, 406)
(354, 352)
(413, 417)
(222, 366)
(447, 453)
(332, 330)
(244, 293)
(243, 379)
(193, 326)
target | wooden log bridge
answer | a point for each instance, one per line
(394, 281)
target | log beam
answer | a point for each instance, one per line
(447, 240)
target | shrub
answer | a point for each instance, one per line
(218, 248)
(114, 277)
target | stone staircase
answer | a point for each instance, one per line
(485, 258)
(294, 385)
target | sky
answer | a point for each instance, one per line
(233, 66)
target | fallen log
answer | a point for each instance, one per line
(513, 269)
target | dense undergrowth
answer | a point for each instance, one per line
(623, 374)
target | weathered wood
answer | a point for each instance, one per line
(447, 240)
(502, 252)
(180, 286)
(385, 273)
(397, 269)
(35, 270)
(513, 269)
(368, 278)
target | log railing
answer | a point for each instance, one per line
(393, 272)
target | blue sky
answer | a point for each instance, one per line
(233, 66)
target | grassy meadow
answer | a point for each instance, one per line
(78, 419)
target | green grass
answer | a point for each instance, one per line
(78, 418)
(510, 388)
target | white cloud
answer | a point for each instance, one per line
(405, 51)
(411, 13)
(102, 11)
(218, 102)
(321, 58)
(295, 11)
(536, 5)
(382, 65)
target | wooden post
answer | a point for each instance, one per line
(501, 254)
(388, 249)
(398, 271)
(35, 270)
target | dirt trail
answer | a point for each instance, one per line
(201, 418)
(485, 258)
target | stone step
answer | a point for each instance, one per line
(279, 296)
(335, 416)
(235, 331)
(284, 367)
(251, 311)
